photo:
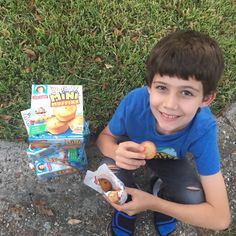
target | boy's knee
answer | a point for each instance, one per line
(192, 195)
(189, 194)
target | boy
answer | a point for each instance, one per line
(171, 111)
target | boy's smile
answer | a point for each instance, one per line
(174, 102)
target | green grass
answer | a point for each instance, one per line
(72, 42)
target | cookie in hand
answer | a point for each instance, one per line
(150, 149)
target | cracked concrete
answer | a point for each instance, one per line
(65, 206)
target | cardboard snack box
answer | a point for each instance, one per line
(35, 153)
(51, 141)
(66, 140)
(57, 110)
(47, 170)
(57, 130)
(26, 114)
(75, 157)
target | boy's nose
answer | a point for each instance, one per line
(171, 102)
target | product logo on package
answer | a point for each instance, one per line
(40, 91)
(65, 98)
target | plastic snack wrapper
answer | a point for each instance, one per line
(104, 181)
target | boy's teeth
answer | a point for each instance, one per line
(168, 116)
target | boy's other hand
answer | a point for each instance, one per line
(130, 155)
(139, 203)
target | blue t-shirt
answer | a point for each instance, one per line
(134, 119)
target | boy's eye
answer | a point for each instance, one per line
(187, 93)
(161, 87)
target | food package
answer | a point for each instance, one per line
(26, 118)
(56, 109)
(47, 141)
(47, 170)
(75, 157)
(57, 130)
(104, 181)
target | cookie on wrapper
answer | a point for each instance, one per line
(105, 184)
(117, 195)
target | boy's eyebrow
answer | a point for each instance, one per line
(182, 87)
(192, 88)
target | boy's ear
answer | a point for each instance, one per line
(208, 99)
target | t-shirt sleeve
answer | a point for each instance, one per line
(206, 152)
(117, 123)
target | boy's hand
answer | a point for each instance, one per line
(138, 204)
(130, 155)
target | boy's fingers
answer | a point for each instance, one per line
(132, 155)
(128, 166)
(132, 146)
(134, 162)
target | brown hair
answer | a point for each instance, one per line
(187, 54)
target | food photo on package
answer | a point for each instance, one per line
(104, 181)
(56, 109)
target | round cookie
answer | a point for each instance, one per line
(150, 149)
(113, 196)
(65, 113)
(105, 184)
(55, 126)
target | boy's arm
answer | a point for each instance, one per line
(107, 143)
(127, 155)
(212, 214)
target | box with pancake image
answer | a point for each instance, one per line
(75, 157)
(57, 110)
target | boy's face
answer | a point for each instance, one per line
(174, 102)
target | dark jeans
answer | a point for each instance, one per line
(180, 182)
